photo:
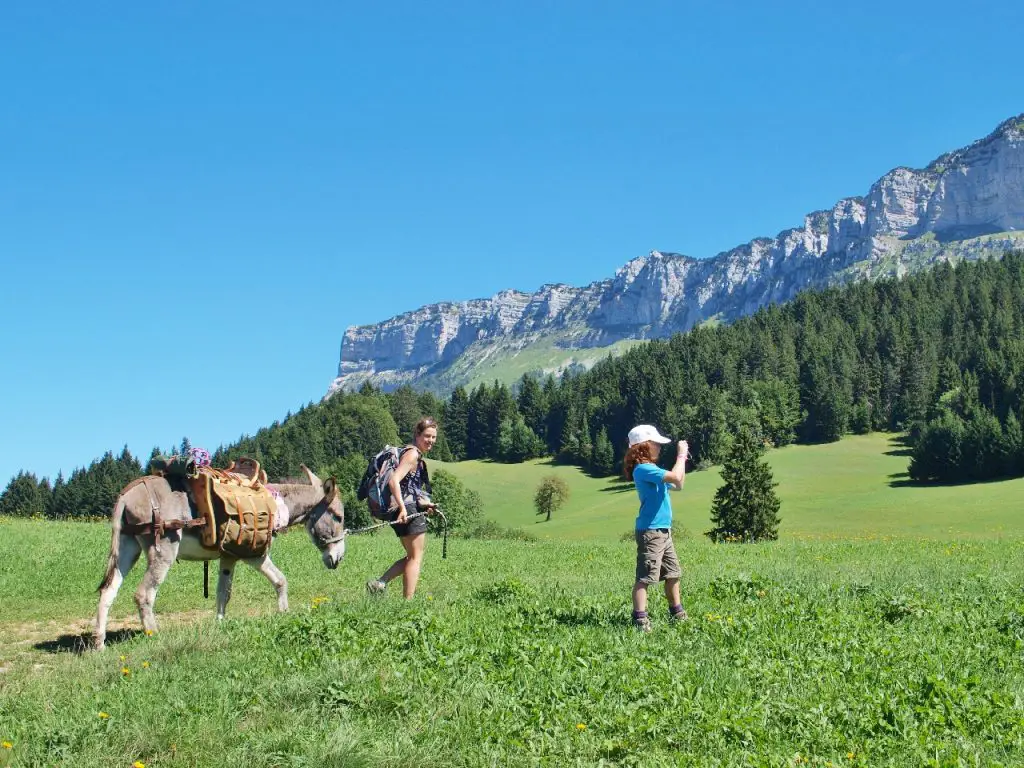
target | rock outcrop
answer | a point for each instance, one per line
(966, 204)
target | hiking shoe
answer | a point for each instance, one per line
(643, 624)
(678, 618)
(375, 587)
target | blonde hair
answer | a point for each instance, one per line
(637, 454)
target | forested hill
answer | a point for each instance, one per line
(939, 355)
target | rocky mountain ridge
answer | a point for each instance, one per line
(965, 204)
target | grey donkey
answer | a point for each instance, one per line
(317, 505)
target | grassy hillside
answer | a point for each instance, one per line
(846, 653)
(835, 646)
(487, 361)
(854, 488)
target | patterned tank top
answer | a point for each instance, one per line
(416, 484)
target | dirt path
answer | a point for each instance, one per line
(36, 642)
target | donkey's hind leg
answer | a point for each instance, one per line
(128, 553)
(159, 562)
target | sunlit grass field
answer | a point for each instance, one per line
(854, 488)
(892, 636)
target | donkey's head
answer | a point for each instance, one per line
(326, 521)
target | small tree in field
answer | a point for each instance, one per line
(746, 507)
(552, 493)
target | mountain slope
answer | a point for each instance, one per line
(967, 204)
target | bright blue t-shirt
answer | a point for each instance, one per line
(655, 507)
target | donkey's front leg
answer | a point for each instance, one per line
(159, 562)
(274, 575)
(224, 581)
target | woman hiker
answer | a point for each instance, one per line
(655, 554)
(410, 485)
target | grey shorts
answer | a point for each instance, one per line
(656, 556)
(414, 527)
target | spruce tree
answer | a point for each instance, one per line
(603, 462)
(746, 507)
(22, 497)
(455, 422)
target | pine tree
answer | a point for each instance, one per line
(746, 507)
(23, 498)
(531, 404)
(603, 462)
(455, 422)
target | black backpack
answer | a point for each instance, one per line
(374, 488)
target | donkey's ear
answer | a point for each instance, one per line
(313, 479)
(330, 489)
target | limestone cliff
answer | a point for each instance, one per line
(966, 204)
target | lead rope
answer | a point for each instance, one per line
(444, 539)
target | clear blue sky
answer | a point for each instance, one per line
(196, 199)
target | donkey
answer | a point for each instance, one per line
(318, 505)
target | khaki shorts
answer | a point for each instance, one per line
(656, 556)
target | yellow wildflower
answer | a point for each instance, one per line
(125, 671)
(138, 764)
(145, 665)
(149, 633)
(123, 658)
(6, 745)
(850, 755)
(581, 726)
(103, 716)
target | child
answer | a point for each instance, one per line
(655, 554)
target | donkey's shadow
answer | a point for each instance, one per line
(82, 642)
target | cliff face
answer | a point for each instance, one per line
(966, 204)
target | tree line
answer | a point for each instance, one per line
(938, 356)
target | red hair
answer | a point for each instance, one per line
(637, 454)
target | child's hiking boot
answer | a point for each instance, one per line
(375, 587)
(641, 621)
(677, 614)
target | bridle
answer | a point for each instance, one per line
(323, 544)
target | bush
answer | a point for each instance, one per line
(460, 505)
(492, 531)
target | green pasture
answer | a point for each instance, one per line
(884, 628)
(855, 488)
(824, 653)
(495, 362)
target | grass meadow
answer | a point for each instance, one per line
(886, 627)
(855, 488)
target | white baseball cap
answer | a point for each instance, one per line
(644, 432)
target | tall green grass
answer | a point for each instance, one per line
(905, 652)
(886, 627)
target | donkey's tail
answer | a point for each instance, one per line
(115, 543)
